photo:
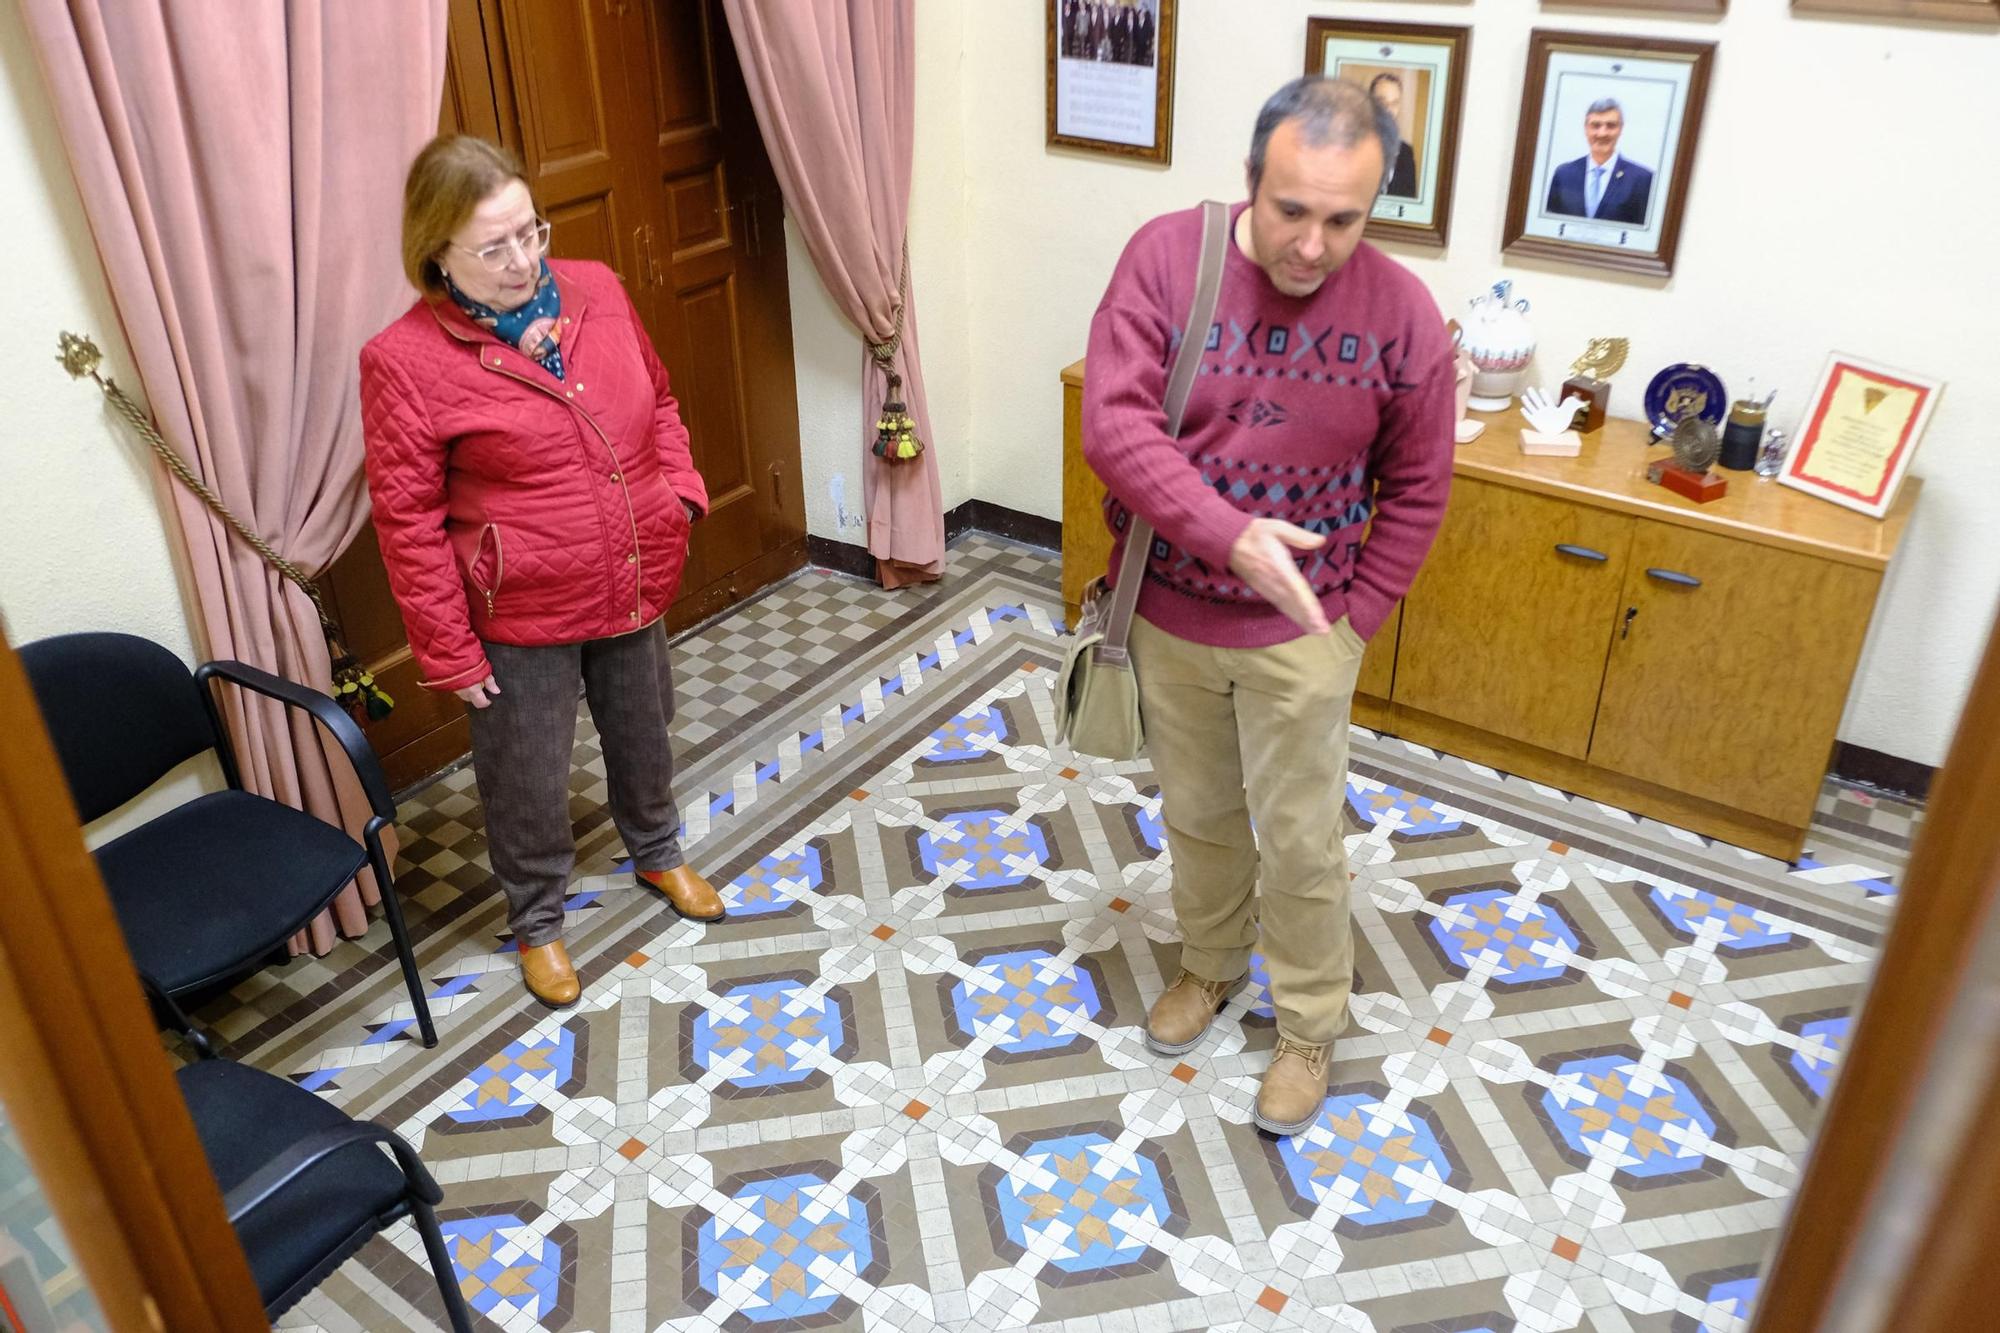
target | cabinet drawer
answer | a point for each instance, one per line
(1507, 624)
(1730, 680)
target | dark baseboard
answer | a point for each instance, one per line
(840, 557)
(1000, 521)
(972, 516)
(1872, 768)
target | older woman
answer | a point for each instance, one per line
(533, 495)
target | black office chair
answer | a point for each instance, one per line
(307, 1185)
(208, 888)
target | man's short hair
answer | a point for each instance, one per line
(1386, 76)
(1602, 105)
(1330, 113)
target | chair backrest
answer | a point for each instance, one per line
(122, 710)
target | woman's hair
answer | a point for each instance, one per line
(448, 180)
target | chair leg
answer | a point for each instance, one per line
(441, 1266)
(204, 1045)
(392, 907)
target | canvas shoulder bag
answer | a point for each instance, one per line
(1097, 694)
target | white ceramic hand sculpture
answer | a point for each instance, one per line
(1547, 416)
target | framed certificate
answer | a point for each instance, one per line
(1861, 428)
(1110, 80)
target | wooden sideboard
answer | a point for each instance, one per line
(1581, 626)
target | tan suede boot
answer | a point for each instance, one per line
(1294, 1088)
(1181, 1017)
(549, 975)
(693, 897)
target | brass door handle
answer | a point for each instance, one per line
(653, 259)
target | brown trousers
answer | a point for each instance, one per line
(521, 755)
(1257, 735)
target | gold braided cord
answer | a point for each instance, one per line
(885, 352)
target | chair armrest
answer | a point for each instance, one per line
(272, 1177)
(367, 766)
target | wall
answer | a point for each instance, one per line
(827, 348)
(82, 541)
(1795, 242)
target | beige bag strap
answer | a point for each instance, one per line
(1139, 538)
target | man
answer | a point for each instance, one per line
(1325, 396)
(1601, 184)
(1121, 34)
(1145, 36)
(1387, 90)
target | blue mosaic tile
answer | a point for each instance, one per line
(1735, 1296)
(1744, 929)
(969, 737)
(772, 1264)
(1610, 1114)
(1421, 816)
(505, 1264)
(1076, 1189)
(510, 1085)
(770, 1033)
(1023, 999)
(1361, 1152)
(776, 884)
(993, 857)
(1524, 941)
(1816, 1068)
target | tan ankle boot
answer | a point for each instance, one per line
(686, 892)
(549, 975)
(1181, 1017)
(1294, 1088)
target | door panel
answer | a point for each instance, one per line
(1721, 688)
(1501, 630)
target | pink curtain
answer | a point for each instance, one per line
(241, 165)
(834, 85)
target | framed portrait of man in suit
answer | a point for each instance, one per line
(1415, 72)
(1606, 149)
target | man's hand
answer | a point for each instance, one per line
(1262, 558)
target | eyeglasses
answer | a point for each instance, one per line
(532, 241)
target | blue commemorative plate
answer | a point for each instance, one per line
(1681, 391)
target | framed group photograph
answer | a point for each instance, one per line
(1606, 148)
(1860, 432)
(1111, 77)
(1415, 72)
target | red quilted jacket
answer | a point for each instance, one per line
(516, 507)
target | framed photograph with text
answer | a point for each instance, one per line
(1111, 77)
(1860, 431)
(1606, 148)
(1416, 72)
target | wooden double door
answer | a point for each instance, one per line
(643, 151)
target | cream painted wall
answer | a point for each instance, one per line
(1797, 240)
(827, 349)
(82, 537)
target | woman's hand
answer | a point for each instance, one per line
(480, 695)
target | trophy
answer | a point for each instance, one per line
(1696, 446)
(1590, 376)
(1467, 430)
(1549, 421)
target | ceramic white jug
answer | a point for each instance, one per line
(1502, 342)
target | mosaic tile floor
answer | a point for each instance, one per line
(904, 1087)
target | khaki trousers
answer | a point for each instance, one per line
(1243, 735)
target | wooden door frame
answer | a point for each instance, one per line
(1893, 1072)
(83, 1075)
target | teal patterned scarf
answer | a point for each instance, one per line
(534, 327)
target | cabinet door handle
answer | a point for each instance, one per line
(1581, 552)
(639, 255)
(1674, 576)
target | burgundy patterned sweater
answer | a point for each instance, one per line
(1321, 411)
